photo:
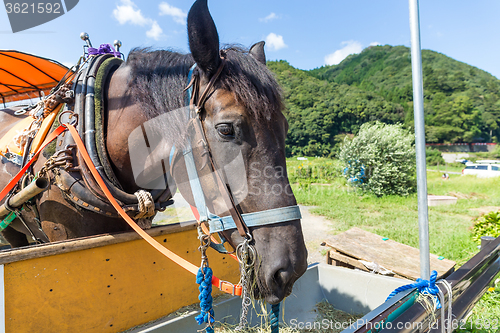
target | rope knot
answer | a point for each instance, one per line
(430, 285)
(146, 204)
(427, 287)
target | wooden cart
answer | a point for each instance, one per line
(105, 283)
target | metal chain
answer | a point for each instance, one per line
(246, 256)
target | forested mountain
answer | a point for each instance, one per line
(461, 102)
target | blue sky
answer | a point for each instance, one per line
(307, 34)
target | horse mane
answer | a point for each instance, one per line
(252, 83)
(158, 78)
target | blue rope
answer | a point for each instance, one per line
(428, 286)
(204, 279)
(274, 318)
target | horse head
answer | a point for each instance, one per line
(245, 130)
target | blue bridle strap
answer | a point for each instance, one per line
(194, 180)
(264, 217)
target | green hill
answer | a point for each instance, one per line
(320, 112)
(461, 102)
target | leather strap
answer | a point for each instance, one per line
(197, 105)
(271, 216)
(221, 184)
(200, 103)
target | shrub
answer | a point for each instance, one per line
(486, 225)
(381, 159)
(433, 157)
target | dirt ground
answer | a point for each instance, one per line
(315, 229)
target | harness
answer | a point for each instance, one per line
(76, 182)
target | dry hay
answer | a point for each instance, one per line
(325, 321)
(326, 313)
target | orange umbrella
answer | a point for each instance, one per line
(24, 76)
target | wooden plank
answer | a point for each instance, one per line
(346, 260)
(399, 258)
(49, 249)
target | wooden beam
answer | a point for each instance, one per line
(44, 250)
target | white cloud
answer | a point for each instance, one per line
(155, 32)
(375, 44)
(269, 17)
(127, 12)
(275, 42)
(177, 14)
(350, 47)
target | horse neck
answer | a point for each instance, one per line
(132, 120)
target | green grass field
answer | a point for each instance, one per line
(319, 182)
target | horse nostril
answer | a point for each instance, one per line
(281, 277)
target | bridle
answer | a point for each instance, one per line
(242, 222)
(197, 106)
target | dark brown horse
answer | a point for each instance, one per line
(243, 122)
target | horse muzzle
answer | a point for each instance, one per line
(282, 259)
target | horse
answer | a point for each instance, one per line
(242, 119)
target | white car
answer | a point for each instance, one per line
(482, 169)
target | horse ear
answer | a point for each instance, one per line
(203, 38)
(257, 51)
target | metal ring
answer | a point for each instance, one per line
(25, 109)
(72, 114)
(238, 248)
(205, 241)
(20, 112)
(252, 254)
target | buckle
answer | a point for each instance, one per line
(228, 287)
(225, 286)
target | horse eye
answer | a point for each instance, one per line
(225, 130)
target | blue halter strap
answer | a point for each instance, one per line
(216, 223)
